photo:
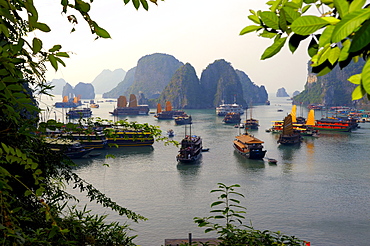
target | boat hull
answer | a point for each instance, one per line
(251, 154)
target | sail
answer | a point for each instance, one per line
(287, 125)
(133, 101)
(78, 98)
(75, 100)
(122, 102)
(294, 113)
(311, 118)
(65, 99)
(168, 106)
(159, 108)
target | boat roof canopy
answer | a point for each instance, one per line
(248, 139)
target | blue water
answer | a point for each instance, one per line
(318, 191)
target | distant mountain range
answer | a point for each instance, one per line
(161, 77)
(158, 78)
(105, 81)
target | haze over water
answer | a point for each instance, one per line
(318, 191)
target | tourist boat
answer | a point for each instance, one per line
(224, 109)
(168, 113)
(190, 150)
(94, 140)
(271, 160)
(232, 118)
(170, 133)
(123, 137)
(70, 148)
(249, 146)
(331, 124)
(79, 113)
(69, 103)
(289, 135)
(250, 123)
(131, 109)
(183, 120)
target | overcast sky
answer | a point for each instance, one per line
(194, 31)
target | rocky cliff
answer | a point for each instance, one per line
(281, 92)
(107, 80)
(121, 88)
(85, 90)
(153, 73)
(253, 94)
(332, 89)
(220, 82)
(184, 90)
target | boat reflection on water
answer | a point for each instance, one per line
(287, 152)
(249, 163)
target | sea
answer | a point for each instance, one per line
(318, 191)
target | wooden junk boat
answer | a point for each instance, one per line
(289, 135)
(131, 109)
(191, 148)
(168, 113)
(249, 146)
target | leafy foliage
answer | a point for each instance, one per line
(233, 232)
(338, 34)
(32, 198)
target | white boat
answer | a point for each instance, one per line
(225, 108)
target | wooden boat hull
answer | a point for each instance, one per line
(252, 153)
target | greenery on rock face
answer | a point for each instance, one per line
(331, 89)
(33, 204)
(184, 90)
(227, 222)
(153, 73)
(338, 34)
(252, 93)
(221, 83)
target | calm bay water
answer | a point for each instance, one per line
(319, 191)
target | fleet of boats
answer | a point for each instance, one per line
(225, 108)
(291, 129)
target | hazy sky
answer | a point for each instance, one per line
(194, 31)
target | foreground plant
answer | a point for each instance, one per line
(231, 230)
(337, 30)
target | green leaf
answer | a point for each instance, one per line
(274, 48)
(145, 4)
(334, 55)
(342, 7)
(305, 8)
(82, 6)
(358, 93)
(313, 47)
(249, 29)
(323, 55)
(53, 62)
(295, 40)
(345, 50)
(217, 203)
(361, 38)
(356, 5)
(36, 45)
(275, 5)
(306, 25)
(282, 21)
(270, 19)
(42, 27)
(55, 48)
(101, 32)
(366, 76)
(136, 3)
(267, 34)
(324, 71)
(291, 14)
(254, 18)
(126, 1)
(330, 19)
(325, 37)
(349, 23)
(355, 79)
(62, 54)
